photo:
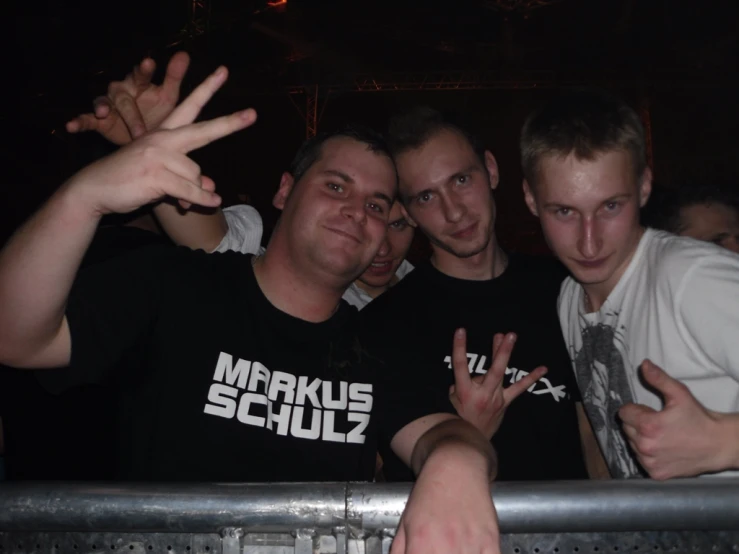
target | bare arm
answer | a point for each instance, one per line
(594, 460)
(431, 435)
(450, 508)
(37, 269)
(194, 228)
(39, 263)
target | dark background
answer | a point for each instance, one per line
(674, 61)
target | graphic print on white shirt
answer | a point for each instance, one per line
(601, 375)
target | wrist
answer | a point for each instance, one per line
(78, 201)
(457, 458)
(728, 434)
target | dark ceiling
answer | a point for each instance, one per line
(306, 41)
(680, 55)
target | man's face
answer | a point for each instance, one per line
(589, 212)
(446, 191)
(392, 251)
(717, 223)
(336, 216)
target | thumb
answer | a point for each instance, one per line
(671, 389)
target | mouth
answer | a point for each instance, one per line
(466, 232)
(345, 234)
(592, 264)
(380, 268)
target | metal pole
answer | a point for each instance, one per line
(561, 507)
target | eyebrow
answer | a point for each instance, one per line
(470, 169)
(611, 199)
(384, 197)
(453, 177)
(344, 177)
(340, 174)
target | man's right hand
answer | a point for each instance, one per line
(483, 400)
(135, 105)
(157, 165)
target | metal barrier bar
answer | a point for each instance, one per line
(363, 508)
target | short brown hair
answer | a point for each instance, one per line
(586, 122)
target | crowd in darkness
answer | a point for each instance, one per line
(148, 326)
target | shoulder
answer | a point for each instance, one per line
(541, 275)
(673, 259)
(245, 230)
(390, 306)
(243, 213)
(176, 265)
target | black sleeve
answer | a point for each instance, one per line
(111, 311)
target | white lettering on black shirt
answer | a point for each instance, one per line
(303, 407)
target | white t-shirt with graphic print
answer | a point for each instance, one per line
(677, 304)
(244, 235)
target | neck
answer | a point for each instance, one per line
(596, 294)
(292, 291)
(374, 292)
(483, 266)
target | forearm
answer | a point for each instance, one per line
(595, 463)
(451, 438)
(191, 228)
(37, 269)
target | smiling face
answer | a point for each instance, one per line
(447, 193)
(335, 218)
(589, 212)
(379, 275)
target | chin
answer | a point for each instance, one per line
(592, 277)
(376, 283)
(338, 263)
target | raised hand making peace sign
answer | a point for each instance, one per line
(156, 165)
(482, 400)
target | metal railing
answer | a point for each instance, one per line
(695, 515)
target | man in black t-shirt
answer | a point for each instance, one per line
(471, 290)
(269, 383)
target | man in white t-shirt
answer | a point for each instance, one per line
(651, 319)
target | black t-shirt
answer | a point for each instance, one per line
(410, 328)
(226, 387)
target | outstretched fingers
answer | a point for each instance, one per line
(190, 108)
(143, 73)
(176, 70)
(462, 379)
(494, 377)
(192, 137)
(516, 389)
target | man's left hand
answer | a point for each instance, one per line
(684, 439)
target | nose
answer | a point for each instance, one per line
(354, 208)
(384, 248)
(590, 240)
(452, 208)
